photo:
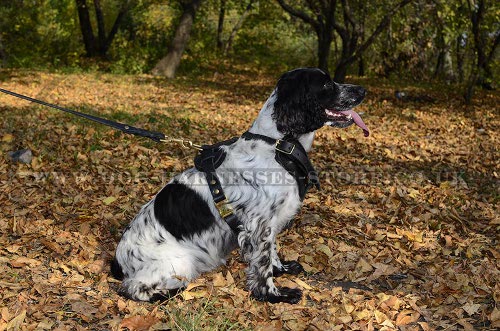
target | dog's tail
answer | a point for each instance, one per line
(116, 269)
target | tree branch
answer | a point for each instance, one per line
(119, 18)
(384, 22)
(220, 25)
(493, 48)
(348, 14)
(298, 13)
(237, 26)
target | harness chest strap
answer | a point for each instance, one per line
(290, 154)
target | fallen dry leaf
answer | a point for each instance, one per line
(24, 261)
(15, 323)
(138, 323)
(7, 138)
(109, 200)
(471, 308)
(219, 280)
(403, 233)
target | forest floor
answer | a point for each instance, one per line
(404, 234)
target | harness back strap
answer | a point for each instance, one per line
(207, 161)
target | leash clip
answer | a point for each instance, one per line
(187, 144)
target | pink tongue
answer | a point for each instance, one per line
(357, 119)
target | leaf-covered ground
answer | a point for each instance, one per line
(402, 236)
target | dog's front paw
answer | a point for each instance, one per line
(286, 294)
(293, 267)
(289, 267)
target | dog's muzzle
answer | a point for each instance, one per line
(344, 118)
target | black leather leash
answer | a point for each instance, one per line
(156, 136)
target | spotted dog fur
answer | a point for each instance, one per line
(179, 234)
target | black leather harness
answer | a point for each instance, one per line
(290, 154)
(208, 159)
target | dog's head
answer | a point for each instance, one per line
(308, 99)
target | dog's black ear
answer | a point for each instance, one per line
(297, 110)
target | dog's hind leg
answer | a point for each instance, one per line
(284, 267)
(257, 250)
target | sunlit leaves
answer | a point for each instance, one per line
(402, 234)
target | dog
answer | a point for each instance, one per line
(180, 233)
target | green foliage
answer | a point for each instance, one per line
(46, 34)
(269, 39)
(40, 33)
(144, 38)
(206, 316)
(273, 39)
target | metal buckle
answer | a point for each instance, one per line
(224, 208)
(283, 151)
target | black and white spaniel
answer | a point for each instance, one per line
(180, 233)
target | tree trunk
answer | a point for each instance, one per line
(439, 70)
(341, 71)
(236, 28)
(346, 57)
(482, 70)
(101, 29)
(476, 16)
(168, 65)
(98, 47)
(440, 43)
(220, 26)
(324, 45)
(3, 54)
(449, 74)
(460, 57)
(86, 28)
(361, 67)
(471, 84)
(322, 25)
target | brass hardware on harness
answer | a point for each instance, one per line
(224, 208)
(282, 150)
(183, 142)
